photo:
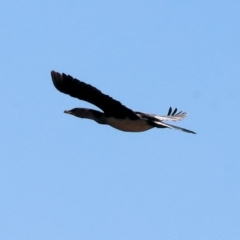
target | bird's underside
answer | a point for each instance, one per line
(114, 113)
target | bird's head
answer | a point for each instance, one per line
(74, 111)
(78, 112)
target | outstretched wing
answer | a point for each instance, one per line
(78, 89)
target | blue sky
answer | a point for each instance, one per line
(66, 178)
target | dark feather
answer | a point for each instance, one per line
(75, 88)
(169, 111)
(174, 111)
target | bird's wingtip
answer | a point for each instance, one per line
(55, 75)
(52, 72)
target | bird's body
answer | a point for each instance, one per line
(128, 125)
(114, 113)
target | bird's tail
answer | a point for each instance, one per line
(162, 124)
(171, 116)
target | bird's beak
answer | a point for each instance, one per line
(68, 111)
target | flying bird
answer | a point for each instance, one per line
(114, 113)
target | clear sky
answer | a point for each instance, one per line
(66, 178)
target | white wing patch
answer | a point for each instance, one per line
(178, 117)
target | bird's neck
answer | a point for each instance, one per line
(97, 116)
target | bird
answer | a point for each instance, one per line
(114, 113)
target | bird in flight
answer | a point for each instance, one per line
(114, 113)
